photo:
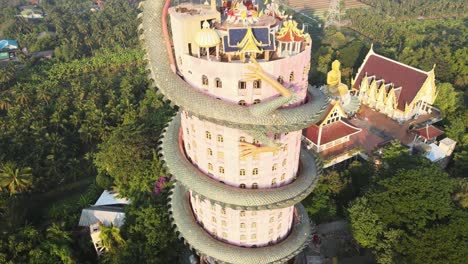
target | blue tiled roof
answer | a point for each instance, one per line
(8, 44)
(235, 35)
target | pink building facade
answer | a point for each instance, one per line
(235, 147)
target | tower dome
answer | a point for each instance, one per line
(207, 37)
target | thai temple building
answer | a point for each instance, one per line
(239, 77)
(399, 91)
(330, 137)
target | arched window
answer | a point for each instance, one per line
(254, 185)
(208, 135)
(209, 152)
(273, 182)
(291, 77)
(241, 102)
(210, 166)
(223, 223)
(242, 186)
(255, 141)
(277, 136)
(205, 80)
(220, 138)
(242, 213)
(219, 83)
(257, 84)
(242, 225)
(242, 139)
(242, 172)
(274, 167)
(256, 101)
(255, 171)
(221, 170)
(280, 79)
(242, 85)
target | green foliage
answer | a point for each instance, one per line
(461, 192)
(14, 179)
(366, 225)
(319, 204)
(448, 99)
(413, 198)
(446, 243)
(150, 238)
(415, 8)
(129, 157)
(110, 238)
(400, 215)
(28, 245)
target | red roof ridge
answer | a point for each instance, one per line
(350, 125)
(402, 64)
(381, 68)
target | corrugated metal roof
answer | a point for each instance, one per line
(107, 215)
(109, 198)
(8, 44)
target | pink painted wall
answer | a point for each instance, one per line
(230, 73)
(226, 155)
(243, 228)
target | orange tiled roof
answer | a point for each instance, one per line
(330, 132)
(428, 132)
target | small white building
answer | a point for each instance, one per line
(440, 153)
(108, 211)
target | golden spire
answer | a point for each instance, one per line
(249, 43)
(290, 32)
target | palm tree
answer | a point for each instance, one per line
(110, 238)
(15, 179)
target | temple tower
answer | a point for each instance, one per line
(234, 148)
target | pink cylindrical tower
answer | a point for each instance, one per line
(234, 149)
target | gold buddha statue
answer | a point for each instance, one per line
(335, 86)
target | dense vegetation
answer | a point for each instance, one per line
(408, 210)
(91, 102)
